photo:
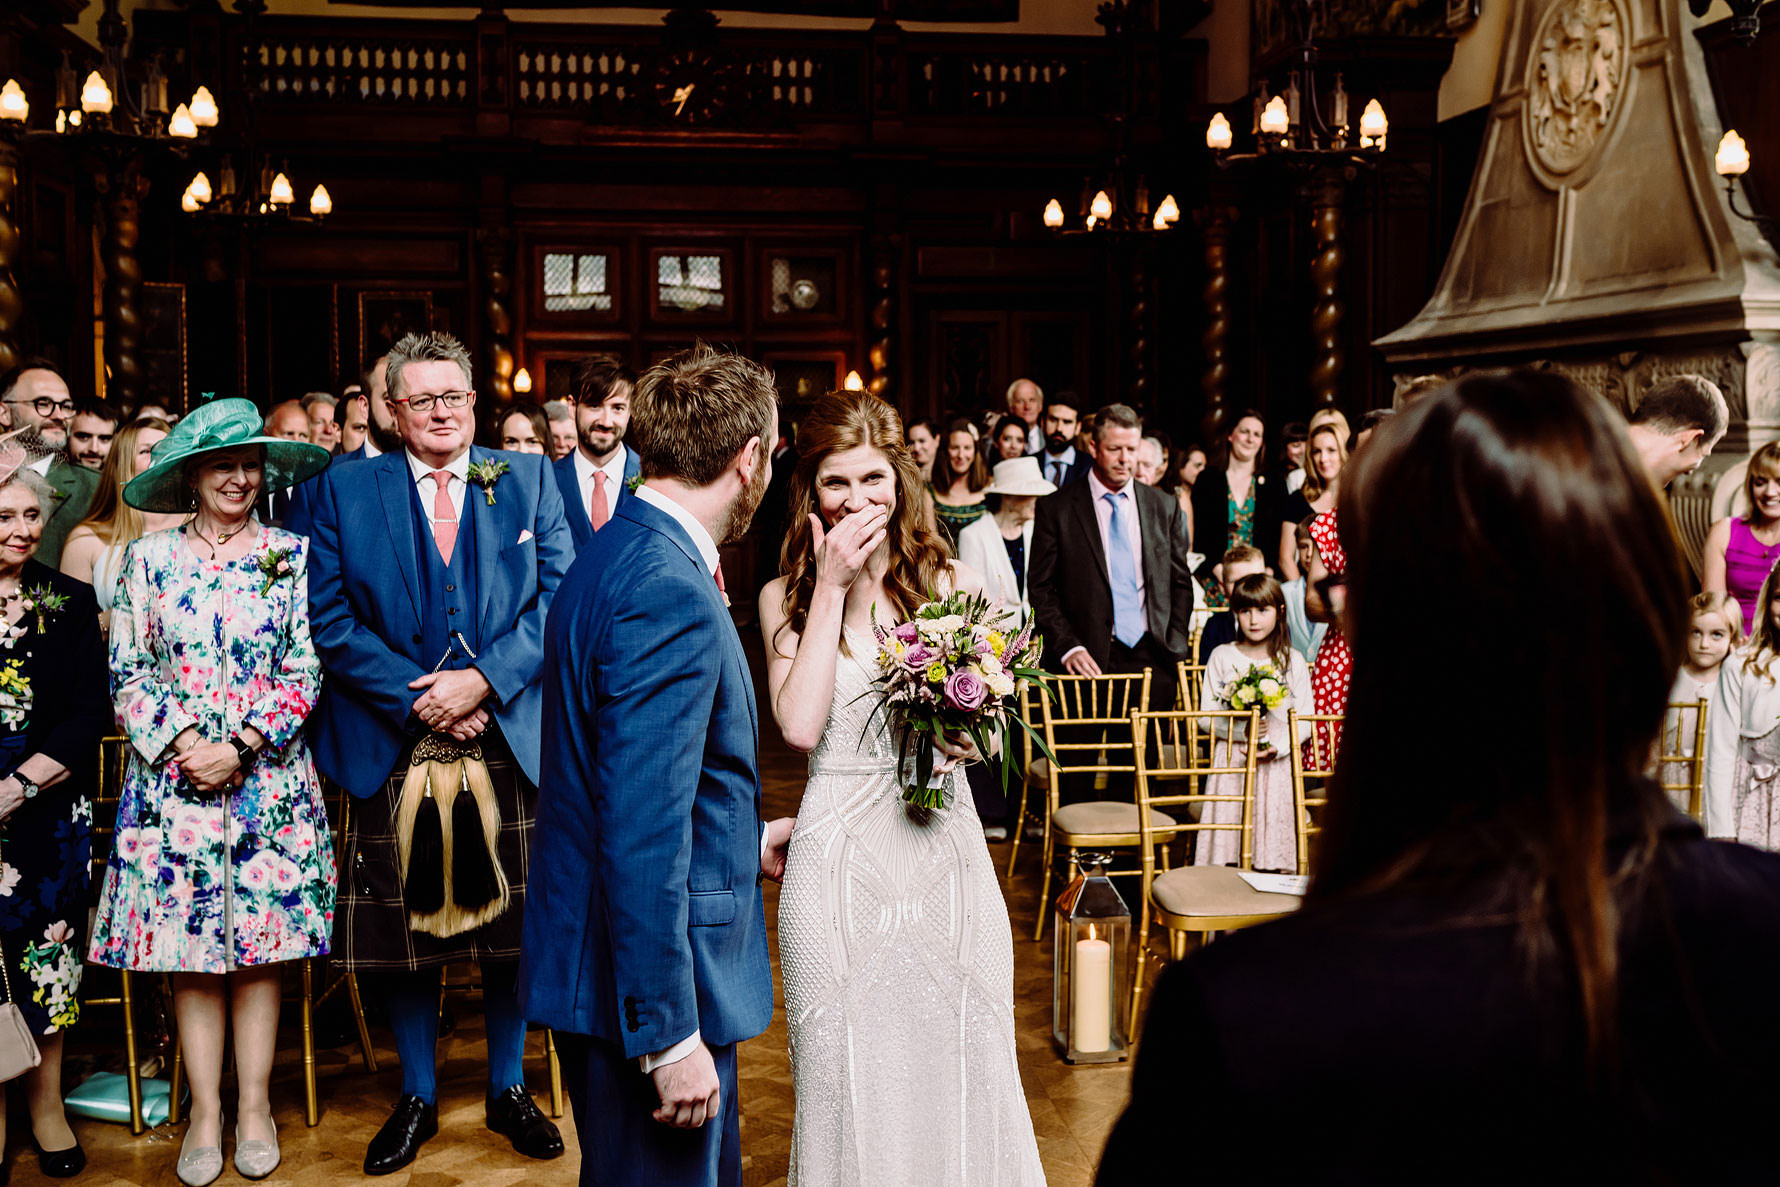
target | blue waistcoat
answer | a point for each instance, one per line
(448, 592)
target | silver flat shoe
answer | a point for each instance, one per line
(199, 1167)
(256, 1160)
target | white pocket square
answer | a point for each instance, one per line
(524, 535)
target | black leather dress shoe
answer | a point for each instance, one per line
(61, 1164)
(402, 1136)
(513, 1114)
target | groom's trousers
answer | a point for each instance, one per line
(622, 1145)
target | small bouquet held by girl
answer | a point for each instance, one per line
(954, 668)
(1261, 687)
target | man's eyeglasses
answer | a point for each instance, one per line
(48, 406)
(424, 404)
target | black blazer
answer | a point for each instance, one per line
(67, 667)
(1377, 1041)
(1211, 516)
(1071, 591)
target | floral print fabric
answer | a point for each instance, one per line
(203, 883)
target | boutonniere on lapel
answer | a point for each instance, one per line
(634, 481)
(485, 475)
(274, 566)
(46, 605)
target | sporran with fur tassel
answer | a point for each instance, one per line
(447, 823)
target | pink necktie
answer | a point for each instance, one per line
(596, 510)
(444, 514)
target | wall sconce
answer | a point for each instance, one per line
(1732, 162)
(522, 381)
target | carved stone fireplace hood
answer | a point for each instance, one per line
(1595, 238)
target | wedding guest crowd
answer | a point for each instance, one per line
(356, 589)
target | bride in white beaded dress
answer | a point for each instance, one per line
(893, 934)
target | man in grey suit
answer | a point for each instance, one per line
(1109, 578)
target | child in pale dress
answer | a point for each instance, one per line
(1263, 637)
(1743, 735)
(1715, 629)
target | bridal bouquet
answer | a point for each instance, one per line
(1261, 687)
(954, 667)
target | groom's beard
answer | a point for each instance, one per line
(741, 512)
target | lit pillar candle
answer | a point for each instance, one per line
(1090, 1027)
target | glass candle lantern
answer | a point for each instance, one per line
(1091, 933)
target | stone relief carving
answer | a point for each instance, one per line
(1576, 76)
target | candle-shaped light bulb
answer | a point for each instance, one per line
(321, 203)
(1101, 207)
(1274, 121)
(1217, 134)
(1339, 104)
(1168, 213)
(1733, 155)
(280, 193)
(200, 189)
(1373, 125)
(95, 96)
(853, 383)
(1159, 223)
(522, 381)
(1294, 103)
(188, 201)
(1053, 214)
(13, 105)
(203, 108)
(62, 121)
(182, 125)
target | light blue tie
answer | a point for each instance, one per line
(1128, 624)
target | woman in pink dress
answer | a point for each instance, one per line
(1740, 551)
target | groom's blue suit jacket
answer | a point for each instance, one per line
(643, 919)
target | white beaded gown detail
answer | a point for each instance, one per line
(898, 966)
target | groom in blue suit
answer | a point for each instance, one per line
(595, 476)
(645, 941)
(432, 570)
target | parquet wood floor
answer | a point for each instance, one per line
(1072, 1108)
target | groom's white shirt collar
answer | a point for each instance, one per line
(701, 539)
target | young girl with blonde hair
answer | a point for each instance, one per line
(1743, 735)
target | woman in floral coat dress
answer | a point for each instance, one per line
(222, 867)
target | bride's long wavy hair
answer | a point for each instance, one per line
(919, 559)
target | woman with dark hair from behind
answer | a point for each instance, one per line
(1515, 959)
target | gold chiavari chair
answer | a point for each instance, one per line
(1087, 725)
(1035, 769)
(1195, 899)
(1190, 678)
(1313, 765)
(1678, 771)
(113, 752)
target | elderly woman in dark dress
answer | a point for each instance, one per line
(53, 711)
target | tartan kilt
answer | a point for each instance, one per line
(371, 931)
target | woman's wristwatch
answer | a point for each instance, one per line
(245, 753)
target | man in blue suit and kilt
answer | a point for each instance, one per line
(431, 573)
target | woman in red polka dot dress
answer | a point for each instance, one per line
(1334, 662)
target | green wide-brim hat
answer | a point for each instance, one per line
(218, 425)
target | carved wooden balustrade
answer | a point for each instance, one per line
(319, 78)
